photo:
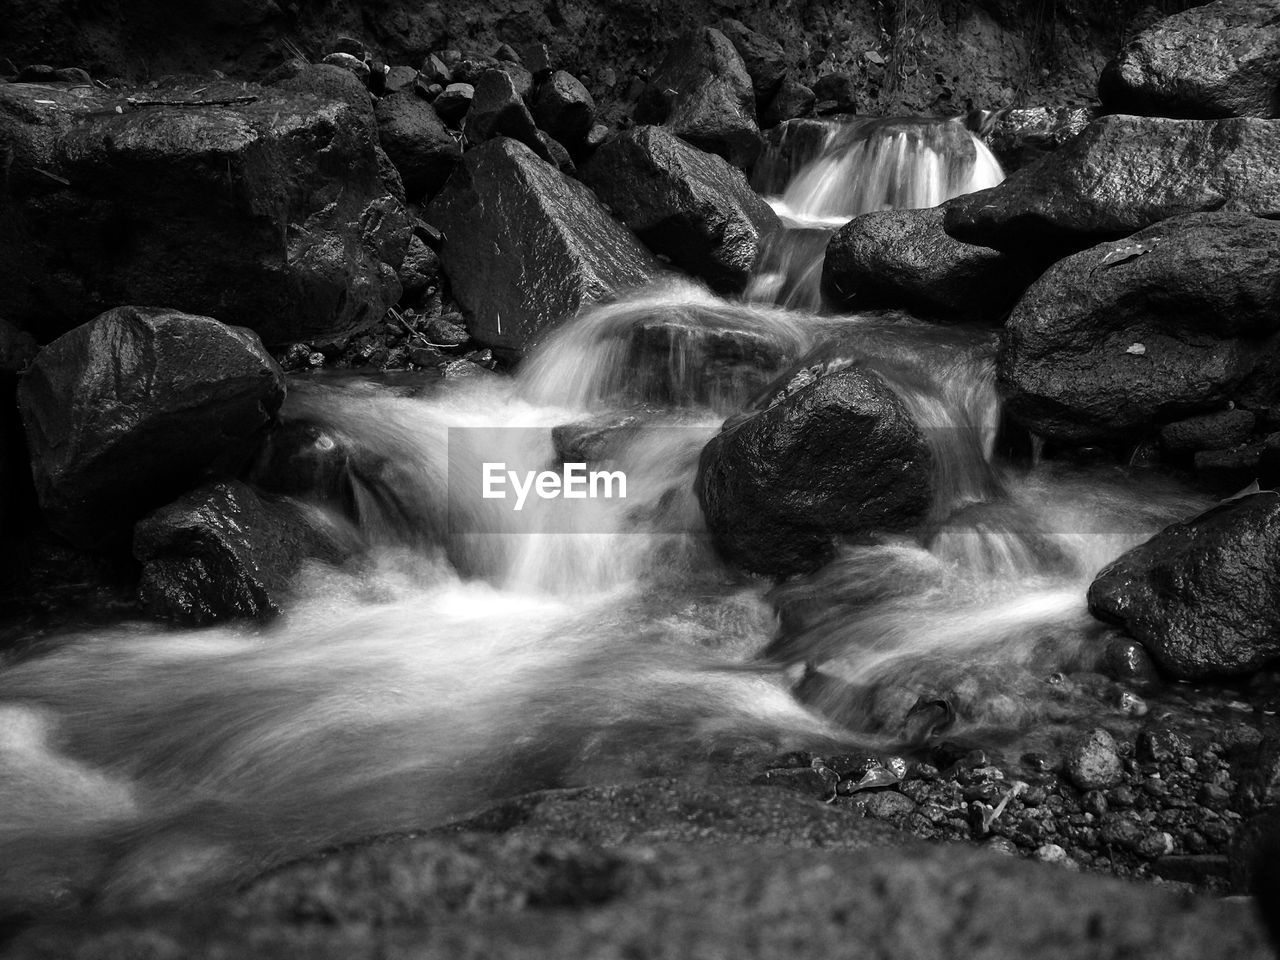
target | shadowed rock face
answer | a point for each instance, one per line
(415, 138)
(1123, 174)
(687, 204)
(662, 869)
(127, 411)
(703, 93)
(1113, 342)
(904, 258)
(269, 214)
(1217, 60)
(525, 246)
(837, 456)
(1202, 596)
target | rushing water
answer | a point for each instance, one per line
(479, 651)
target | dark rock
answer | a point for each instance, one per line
(595, 439)
(1202, 596)
(1113, 342)
(270, 214)
(17, 349)
(352, 64)
(1163, 746)
(764, 58)
(564, 108)
(349, 45)
(1216, 60)
(1021, 135)
(497, 110)
(837, 457)
(1092, 761)
(447, 331)
(689, 205)
(434, 70)
(840, 90)
(454, 102)
(401, 79)
(222, 552)
(537, 58)
(1210, 431)
(508, 53)
(417, 142)
(421, 269)
(1128, 661)
(1227, 471)
(904, 258)
(37, 73)
(561, 159)
(792, 100)
(127, 411)
(525, 246)
(702, 92)
(1123, 174)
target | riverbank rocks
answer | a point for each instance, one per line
(564, 108)
(1113, 342)
(1203, 596)
(1216, 60)
(904, 258)
(703, 93)
(418, 143)
(1092, 761)
(1123, 174)
(834, 455)
(223, 552)
(125, 412)
(764, 58)
(498, 110)
(525, 246)
(262, 206)
(690, 205)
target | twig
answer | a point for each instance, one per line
(53, 176)
(228, 101)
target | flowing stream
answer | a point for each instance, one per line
(481, 651)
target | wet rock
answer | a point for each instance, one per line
(1021, 135)
(889, 805)
(1092, 761)
(400, 79)
(1128, 661)
(792, 100)
(1202, 596)
(498, 110)
(1228, 471)
(1111, 343)
(222, 552)
(435, 70)
(564, 108)
(1210, 431)
(1216, 60)
(454, 102)
(904, 258)
(596, 438)
(420, 270)
(446, 331)
(537, 58)
(764, 58)
(1163, 746)
(417, 142)
(525, 246)
(270, 214)
(689, 205)
(561, 159)
(352, 64)
(128, 410)
(702, 93)
(838, 457)
(1123, 174)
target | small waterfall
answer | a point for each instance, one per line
(837, 170)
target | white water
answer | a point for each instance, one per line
(481, 652)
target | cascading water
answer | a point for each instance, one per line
(482, 651)
(821, 174)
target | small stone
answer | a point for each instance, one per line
(347, 62)
(1002, 845)
(1094, 802)
(1121, 833)
(1092, 761)
(1213, 796)
(1155, 845)
(889, 805)
(1162, 746)
(454, 101)
(1051, 853)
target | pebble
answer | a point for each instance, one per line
(1093, 762)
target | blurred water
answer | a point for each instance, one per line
(481, 651)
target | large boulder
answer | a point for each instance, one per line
(1217, 60)
(264, 207)
(692, 206)
(525, 246)
(904, 258)
(126, 412)
(1203, 596)
(1115, 341)
(827, 457)
(418, 143)
(223, 552)
(703, 93)
(1120, 175)
(498, 110)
